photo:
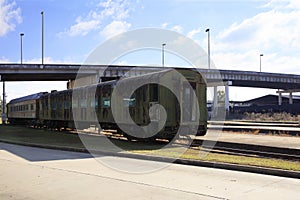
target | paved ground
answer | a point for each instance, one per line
(32, 173)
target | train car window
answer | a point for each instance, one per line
(60, 105)
(129, 102)
(189, 108)
(83, 103)
(186, 104)
(92, 103)
(105, 102)
(144, 92)
(67, 105)
(53, 105)
(96, 102)
(75, 104)
(154, 92)
(31, 106)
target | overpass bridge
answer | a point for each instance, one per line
(66, 72)
(285, 83)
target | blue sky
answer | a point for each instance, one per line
(240, 32)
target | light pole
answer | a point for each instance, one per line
(261, 55)
(21, 36)
(208, 46)
(42, 13)
(163, 54)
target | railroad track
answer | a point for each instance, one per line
(229, 148)
(252, 153)
(249, 150)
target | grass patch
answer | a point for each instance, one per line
(271, 117)
(62, 139)
(196, 154)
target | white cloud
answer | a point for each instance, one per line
(266, 30)
(10, 15)
(193, 32)
(115, 28)
(177, 28)
(82, 27)
(164, 25)
(4, 60)
(50, 60)
(275, 33)
(117, 10)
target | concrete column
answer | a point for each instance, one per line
(291, 98)
(280, 98)
(215, 101)
(227, 97)
(3, 105)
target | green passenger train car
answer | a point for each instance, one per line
(111, 107)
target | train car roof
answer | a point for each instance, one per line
(27, 98)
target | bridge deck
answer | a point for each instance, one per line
(64, 72)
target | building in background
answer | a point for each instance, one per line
(267, 104)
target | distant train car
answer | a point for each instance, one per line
(24, 110)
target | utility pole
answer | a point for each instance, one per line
(163, 54)
(42, 13)
(208, 46)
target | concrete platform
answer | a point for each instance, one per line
(33, 173)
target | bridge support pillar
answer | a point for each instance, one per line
(215, 101)
(227, 95)
(3, 105)
(279, 98)
(291, 98)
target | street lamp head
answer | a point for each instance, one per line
(261, 54)
(164, 44)
(207, 30)
(21, 34)
(42, 12)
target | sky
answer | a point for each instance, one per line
(240, 31)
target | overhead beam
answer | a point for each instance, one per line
(60, 72)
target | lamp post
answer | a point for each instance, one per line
(261, 55)
(208, 46)
(42, 13)
(163, 54)
(21, 37)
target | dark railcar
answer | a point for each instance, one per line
(92, 105)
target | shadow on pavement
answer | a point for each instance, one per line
(35, 154)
